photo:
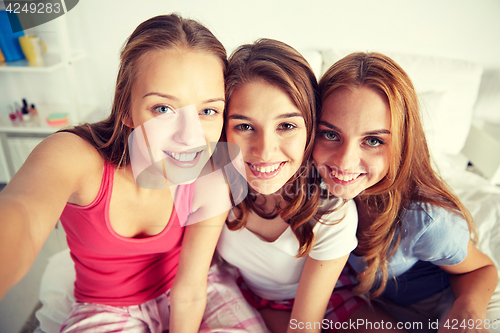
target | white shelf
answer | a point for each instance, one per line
(50, 63)
(30, 129)
(41, 126)
(62, 60)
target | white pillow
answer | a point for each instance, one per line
(488, 100)
(56, 292)
(429, 103)
(447, 90)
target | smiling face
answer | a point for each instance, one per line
(178, 97)
(270, 131)
(352, 147)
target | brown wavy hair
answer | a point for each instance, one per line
(283, 67)
(410, 176)
(110, 136)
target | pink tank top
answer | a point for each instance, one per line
(116, 270)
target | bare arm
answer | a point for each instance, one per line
(188, 295)
(30, 205)
(473, 282)
(315, 288)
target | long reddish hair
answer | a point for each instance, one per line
(110, 136)
(282, 66)
(410, 176)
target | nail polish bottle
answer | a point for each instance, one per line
(26, 115)
(33, 110)
(19, 114)
(34, 114)
(12, 113)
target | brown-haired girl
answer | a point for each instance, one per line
(414, 234)
(132, 274)
(286, 258)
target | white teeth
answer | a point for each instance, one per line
(182, 157)
(345, 178)
(265, 169)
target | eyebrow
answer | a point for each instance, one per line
(374, 132)
(281, 116)
(211, 100)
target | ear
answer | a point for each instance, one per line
(127, 121)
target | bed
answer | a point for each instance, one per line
(455, 101)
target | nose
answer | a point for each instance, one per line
(347, 156)
(188, 129)
(264, 146)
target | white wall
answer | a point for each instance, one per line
(452, 28)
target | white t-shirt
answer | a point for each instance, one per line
(271, 269)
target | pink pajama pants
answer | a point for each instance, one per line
(226, 311)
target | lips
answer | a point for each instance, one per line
(183, 159)
(344, 178)
(266, 170)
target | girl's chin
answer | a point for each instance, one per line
(264, 187)
(344, 192)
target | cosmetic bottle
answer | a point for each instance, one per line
(26, 115)
(19, 114)
(33, 111)
(24, 110)
(34, 114)
(12, 113)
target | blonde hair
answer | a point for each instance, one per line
(410, 176)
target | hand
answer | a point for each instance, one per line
(463, 317)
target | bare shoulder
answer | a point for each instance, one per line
(211, 196)
(60, 168)
(67, 145)
(60, 161)
(63, 150)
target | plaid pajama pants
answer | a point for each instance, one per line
(341, 305)
(226, 311)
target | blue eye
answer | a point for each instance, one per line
(374, 142)
(243, 127)
(163, 109)
(208, 112)
(329, 135)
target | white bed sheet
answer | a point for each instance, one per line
(483, 201)
(479, 196)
